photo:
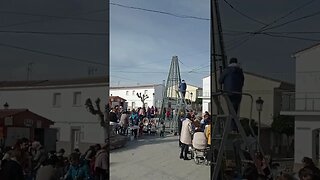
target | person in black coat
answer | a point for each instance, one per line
(11, 168)
(232, 79)
(183, 88)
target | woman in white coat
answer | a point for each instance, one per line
(186, 136)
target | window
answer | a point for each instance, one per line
(127, 93)
(145, 92)
(133, 92)
(77, 99)
(56, 100)
(133, 104)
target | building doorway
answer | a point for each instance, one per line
(75, 138)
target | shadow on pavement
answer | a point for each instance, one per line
(147, 140)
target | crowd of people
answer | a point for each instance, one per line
(194, 130)
(122, 119)
(30, 161)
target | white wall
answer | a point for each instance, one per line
(304, 125)
(308, 79)
(40, 101)
(307, 86)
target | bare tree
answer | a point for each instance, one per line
(142, 97)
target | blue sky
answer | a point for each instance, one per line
(143, 43)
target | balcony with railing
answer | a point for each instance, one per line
(300, 102)
(204, 94)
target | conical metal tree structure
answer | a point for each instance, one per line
(171, 95)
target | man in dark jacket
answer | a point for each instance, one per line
(183, 88)
(113, 115)
(232, 79)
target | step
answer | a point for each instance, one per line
(222, 115)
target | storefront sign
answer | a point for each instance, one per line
(28, 122)
(8, 121)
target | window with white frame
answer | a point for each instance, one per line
(145, 92)
(56, 100)
(127, 93)
(77, 99)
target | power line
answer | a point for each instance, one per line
(53, 54)
(293, 32)
(240, 32)
(243, 14)
(42, 20)
(161, 12)
(54, 33)
(292, 37)
(52, 16)
(273, 22)
(290, 12)
(294, 20)
(235, 45)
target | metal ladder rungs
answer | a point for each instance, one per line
(217, 138)
(221, 115)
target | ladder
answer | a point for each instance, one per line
(180, 108)
(221, 137)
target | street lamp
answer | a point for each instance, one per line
(6, 105)
(191, 99)
(259, 106)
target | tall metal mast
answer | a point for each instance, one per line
(218, 59)
(171, 95)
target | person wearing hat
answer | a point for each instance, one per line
(232, 79)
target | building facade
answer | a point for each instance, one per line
(270, 90)
(62, 101)
(306, 105)
(129, 93)
(155, 94)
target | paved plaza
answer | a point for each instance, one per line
(154, 158)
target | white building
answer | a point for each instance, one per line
(307, 105)
(154, 92)
(270, 90)
(63, 102)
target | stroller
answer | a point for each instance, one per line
(199, 148)
(149, 126)
(153, 126)
(145, 128)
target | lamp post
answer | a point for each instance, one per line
(154, 101)
(259, 106)
(6, 105)
(191, 99)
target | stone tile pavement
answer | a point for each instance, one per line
(154, 158)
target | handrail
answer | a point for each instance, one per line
(223, 92)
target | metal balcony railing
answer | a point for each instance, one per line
(293, 101)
